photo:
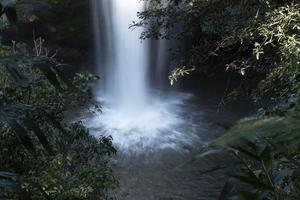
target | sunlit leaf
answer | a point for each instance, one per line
(251, 128)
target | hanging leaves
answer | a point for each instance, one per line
(20, 79)
(21, 127)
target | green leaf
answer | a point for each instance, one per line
(49, 73)
(39, 133)
(20, 132)
(210, 152)
(64, 79)
(247, 195)
(40, 188)
(253, 181)
(18, 106)
(266, 157)
(217, 168)
(250, 129)
(20, 79)
(52, 119)
(226, 191)
(246, 152)
(8, 181)
(10, 186)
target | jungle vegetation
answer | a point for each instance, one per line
(254, 43)
(257, 44)
(42, 156)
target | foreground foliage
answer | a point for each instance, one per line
(266, 149)
(40, 157)
(257, 44)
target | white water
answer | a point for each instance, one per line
(126, 58)
(161, 126)
(140, 120)
(132, 114)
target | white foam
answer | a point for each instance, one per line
(156, 126)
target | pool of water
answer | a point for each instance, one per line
(157, 150)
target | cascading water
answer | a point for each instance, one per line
(158, 133)
(132, 114)
(126, 60)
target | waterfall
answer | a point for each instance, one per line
(121, 55)
(134, 114)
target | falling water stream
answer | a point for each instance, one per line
(157, 133)
(126, 80)
(133, 114)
